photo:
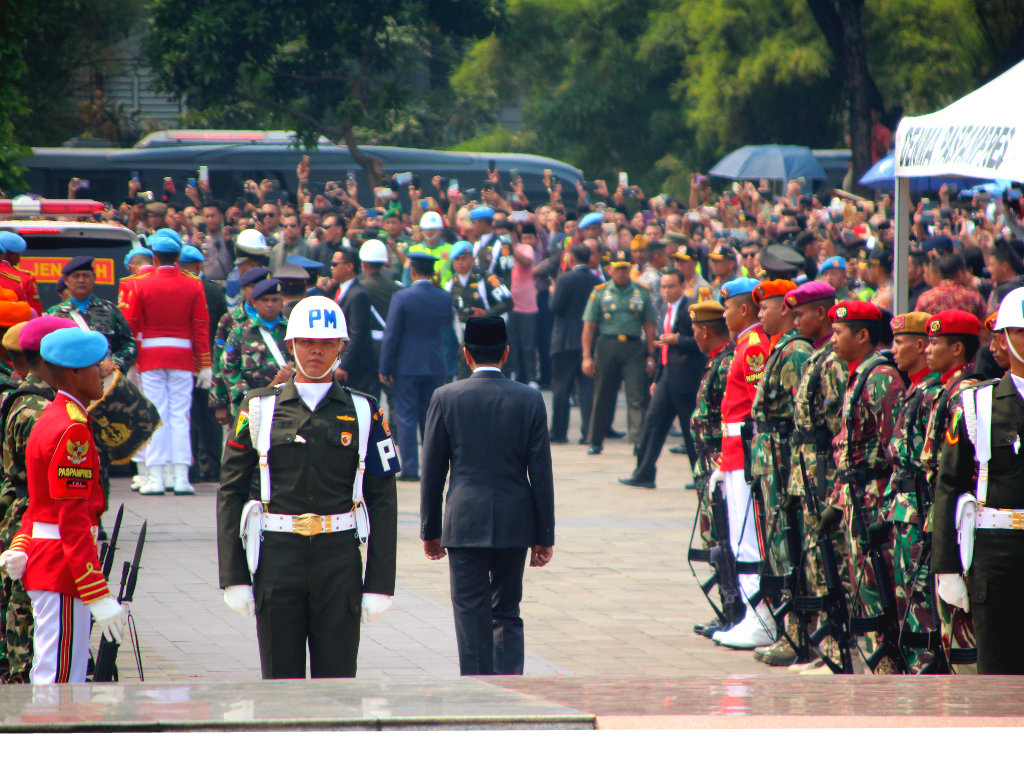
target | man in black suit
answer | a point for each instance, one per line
(572, 289)
(493, 434)
(680, 365)
(358, 367)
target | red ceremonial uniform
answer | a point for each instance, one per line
(12, 283)
(167, 311)
(747, 368)
(65, 503)
(125, 288)
(28, 284)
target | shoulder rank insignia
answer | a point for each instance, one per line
(345, 417)
(493, 281)
(75, 413)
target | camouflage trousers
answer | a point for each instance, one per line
(957, 628)
(915, 600)
(705, 520)
(15, 610)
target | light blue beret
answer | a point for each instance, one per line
(73, 347)
(190, 255)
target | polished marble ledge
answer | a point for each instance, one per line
(365, 705)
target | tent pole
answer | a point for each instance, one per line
(901, 257)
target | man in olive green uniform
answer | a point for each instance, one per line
(255, 354)
(908, 497)
(474, 294)
(300, 571)
(620, 316)
(816, 411)
(20, 410)
(712, 336)
(373, 255)
(772, 411)
(991, 546)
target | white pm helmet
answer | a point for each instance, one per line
(317, 317)
(252, 241)
(431, 220)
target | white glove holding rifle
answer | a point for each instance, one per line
(109, 616)
(952, 589)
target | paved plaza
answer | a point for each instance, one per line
(617, 599)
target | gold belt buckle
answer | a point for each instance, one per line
(1017, 520)
(622, 337)
(308, 524)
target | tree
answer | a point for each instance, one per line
(15, 15)
(318, 68)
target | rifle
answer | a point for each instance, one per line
(106, 657)
(887, 624)
(833, 602)
(109, 547)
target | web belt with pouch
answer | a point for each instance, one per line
(256, 515)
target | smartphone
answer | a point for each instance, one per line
(424, 204)
(403, 178)
(307, 209)
(491, 166)
(82, 184)
(471, 193)
(372, 213)
(136, 177)
(453, 186)
(204, 174)
(590, 186)
(547, 175)
(351, 177)
(490, 185)
(146, 196)
(192, 182)
(700, 179)
(514, 173)
(623, 179)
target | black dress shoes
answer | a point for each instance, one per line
(636, 483)
(594, 449)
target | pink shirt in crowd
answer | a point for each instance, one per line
(524, 292)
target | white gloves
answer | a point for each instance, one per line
(718, 476)
(109, 616)
(953, 590)
(204, 379)
(14, 560)
(374, 606)
(239, 598)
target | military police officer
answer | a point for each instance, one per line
(621, 317)
(309, 441)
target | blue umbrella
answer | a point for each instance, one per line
(882, 175)
(769, 161)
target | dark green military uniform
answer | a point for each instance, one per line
(619, 354)
(23, 410)
(248, 363)
(996, 576)
(308, 589)
(478, 292)
(104, 316)
(219, 392)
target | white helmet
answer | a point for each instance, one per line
(251, 241)
(317, 317)
(1011, 311)
(431, 220)
(373, 251)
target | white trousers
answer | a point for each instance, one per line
(170, 391)
(742, 528)
(60, 647)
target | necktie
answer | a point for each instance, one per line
(668, 329)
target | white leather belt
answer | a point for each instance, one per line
(308, 524)
(167, 341)
(52, 531)
(1007, 519)
(732, 429)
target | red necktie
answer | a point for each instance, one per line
(668, 329)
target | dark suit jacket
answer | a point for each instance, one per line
(572, 290)
(412, 344)
(216, 305)
(686, 362)
(359, 359)
(493, 434)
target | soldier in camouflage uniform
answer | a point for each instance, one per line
(19, 412)
(772, 411)
(250, 362)
(220, 399)
(907, 497)
(816, 409)
(712, 336)
(949, 354)
(872, 396)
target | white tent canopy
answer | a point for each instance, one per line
(980, 136)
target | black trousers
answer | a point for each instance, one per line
(566, 370)
(545, 324)
(486, 586)
(522, 333)
(667, 403)
(207, 439)
(995, 582)
(308, 592)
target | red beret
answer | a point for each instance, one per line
(772, 288)
(954, 322)
(813, 290)
(846, 311)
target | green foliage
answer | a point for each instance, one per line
(12, 50)
(344, 70)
